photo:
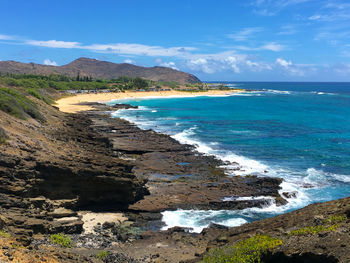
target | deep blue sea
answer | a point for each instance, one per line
(297, 131)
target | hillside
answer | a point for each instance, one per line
(99, 70)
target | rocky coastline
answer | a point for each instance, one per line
(57, 172)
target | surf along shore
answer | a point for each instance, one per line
(157, 160)
(104, 183)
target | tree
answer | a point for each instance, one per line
(140, 83)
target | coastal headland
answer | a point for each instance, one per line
(80, 186)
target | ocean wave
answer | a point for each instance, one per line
(320, 178)
(246, 165)
(199, 219)
(278, 91)
(323, 93)
(246, 198)
(242, 94)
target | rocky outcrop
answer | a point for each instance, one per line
(52, 170)
(177, 176)
(61, 164)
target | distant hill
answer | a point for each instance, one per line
(99, 70)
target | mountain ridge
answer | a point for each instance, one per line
(99, 69)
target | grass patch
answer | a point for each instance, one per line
(3, 136)
(17, 104)
(101, 254)
(4, 234)
(334, 219)
(329, 224)
(249, 250)
(313, 230)
(62, 240)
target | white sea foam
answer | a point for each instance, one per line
(199, 219)
(278, 91)
(321, 178)
(247, 166)
(246, 198)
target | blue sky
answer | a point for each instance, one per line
(248, 40)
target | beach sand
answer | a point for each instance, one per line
(71, 104)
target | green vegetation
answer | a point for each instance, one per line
(17, 91)
(334, 219)
(101, 254)
(329, 224)
(249, 250)
(4, 234)
(126, 229)
(313, 230)
(3, 136)
(62, 240)
(16, 103)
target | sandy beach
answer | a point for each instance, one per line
(72, 104)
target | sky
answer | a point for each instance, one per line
(221, 40)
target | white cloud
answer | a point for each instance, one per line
(284, 63)
(139, 49)
(269, 46)
(292, 69)
(315, 17)
(245, 33)
(211, 63)
(117, 48)
(53, 44)
(272, 7)
(50, 62)
(201, 64)
(258, 66)
(129, 61)
(343, 69)
(170, 64)
(6, 37)
(185, 57)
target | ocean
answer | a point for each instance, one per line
(297, 131)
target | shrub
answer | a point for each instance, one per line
(3, 136)
(249, 250)
(62, 240)
(334, 219)
(4, 234)
(313, 230)
(16, 104)
(101, 255)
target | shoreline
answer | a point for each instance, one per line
(74, 104)
(116, 179)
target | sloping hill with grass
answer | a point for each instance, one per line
(99, 70)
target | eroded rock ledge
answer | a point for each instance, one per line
(89, 161)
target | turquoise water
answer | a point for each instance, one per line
(297, 131)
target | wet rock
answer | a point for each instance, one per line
(290, 194)
(108, 225)
(217, 226)
(124, 106)
(62, 212)
(118, 258)
(178, 229)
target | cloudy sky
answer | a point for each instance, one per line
(238, 40)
